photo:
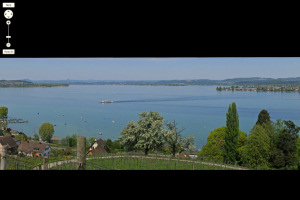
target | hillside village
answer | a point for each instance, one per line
(31, 148)
(28, 147)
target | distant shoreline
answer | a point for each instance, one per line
(240, 82)
(269, 88)
(254, 81)
(18, 83)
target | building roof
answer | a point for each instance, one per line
(100, 147)
(32, 146)
(56, 138)
(14, 132)
(16, 139)
(98, 150)
(183, 155)
(100, 143)
(9, 141)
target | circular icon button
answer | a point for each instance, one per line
(8, 22)
(8, 14)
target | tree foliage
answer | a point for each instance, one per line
(189, 143)
(149, 129)
(46, 131)
(129, 136)
(231, 135)
(214, 147)
(257, 150)
(263, 117)
(287, 143)
(172, 137)
(36, 137)
(150, 134)
(145, 134)
(3, 112)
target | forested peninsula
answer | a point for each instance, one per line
(22, 83)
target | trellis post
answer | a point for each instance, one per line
(81, 157)
(3, 157)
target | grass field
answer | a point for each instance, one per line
(133, 162)
(118, 162)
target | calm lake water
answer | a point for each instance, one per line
(199, 109)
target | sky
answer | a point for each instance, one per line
(148, 68)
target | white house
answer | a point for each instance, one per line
(32, 148)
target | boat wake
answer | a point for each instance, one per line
(156, 100)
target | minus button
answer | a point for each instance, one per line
(8, 36)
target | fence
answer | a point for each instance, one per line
(78, 160)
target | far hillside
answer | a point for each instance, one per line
(253, 81)
(23, 83)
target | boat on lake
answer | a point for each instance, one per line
(106, 101)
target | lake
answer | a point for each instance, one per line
(199, 109)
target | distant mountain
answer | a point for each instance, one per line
(232, 81)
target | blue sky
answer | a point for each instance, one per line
(149, 68)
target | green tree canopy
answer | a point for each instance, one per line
(90, 141)
(257, 151)
(3, 112)
(214, 147)
(46, 131)
(287, 143)
(72, 140)
(231, 135)
(112, 146)
(263, 117)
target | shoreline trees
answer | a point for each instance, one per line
(150, 134)
(269, 144)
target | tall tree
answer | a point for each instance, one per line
(231, 134)
(263, 117)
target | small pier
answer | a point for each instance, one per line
(13, 120)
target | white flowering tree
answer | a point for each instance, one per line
(145, 134)
(150, 127)
(129, 136)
